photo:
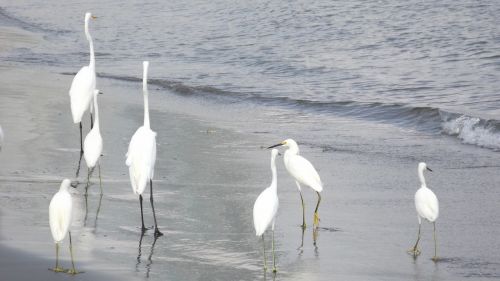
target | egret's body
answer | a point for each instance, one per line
(265, 209)
(141, 155)
(60, 212)
(93, 144)
(83, 85)
(304, 173)
(427, 206)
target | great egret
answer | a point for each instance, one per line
(303, 172)
(93, 145)
(60, 211)
(427, 206)
(1, 138)
(141, 155)
(265, 209)
(83, 85)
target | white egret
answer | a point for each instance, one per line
(93, 145)
(1, 138)
(141, 155)
(265, 209)
(83, 85)
(60, 212)
(427, 206)
(303, 172)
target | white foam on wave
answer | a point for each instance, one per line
(472, 130)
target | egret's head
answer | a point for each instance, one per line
(65, 184)
(422, 167)
(288, 143)
(88, 15)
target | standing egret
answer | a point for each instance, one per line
(265, 209)
(93, 145)
(60, 211)
(1, 138)
(83, 85)
(427, 206)
(141, 155)
(303, 172)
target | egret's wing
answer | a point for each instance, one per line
(92, 147)
(141, 158)
(304, 172)
(264, 210)
(60, 212)
(427, 204)
(81, 92)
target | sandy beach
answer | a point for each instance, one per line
(208, 174)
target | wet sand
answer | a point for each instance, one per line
(207, 177)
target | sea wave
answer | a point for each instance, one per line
(469, 129)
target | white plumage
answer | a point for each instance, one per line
(141, 155)
(60, 212)
(427, 206)
(93, 141)
(303, 172)
(266, 207)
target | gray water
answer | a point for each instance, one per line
(368, 88)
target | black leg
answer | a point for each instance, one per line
(91, 121)
(81, 139)
(142, 215)
(157, 231)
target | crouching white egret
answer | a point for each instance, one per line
(427, 206)
(83, 85)
(93, 146)
(141, 155)
(265, 209)
(60, 212)
(303, 172)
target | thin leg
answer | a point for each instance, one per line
(100, 181)
(72, 270)
(316, 216)
(81, 139)
(415, 251)
(86, 207)
(97, 212)
(157, 231)
(142, 215)
(264, 249)
(79, 164)
(302, 240)
(57, 268)
(91, 121)
(88, 181)
(274, 256)
(303, 210)
(435, 258)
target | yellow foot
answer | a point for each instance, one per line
(275, 270)
(58, 269)
(265, 268)
(316, 219)
(73, 271)
(435, 258)
(414, 251)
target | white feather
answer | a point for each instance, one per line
(60, 212)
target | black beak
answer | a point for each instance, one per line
(279, 144)
(100, 93)
(429, 169)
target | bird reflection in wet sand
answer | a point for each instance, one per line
(87, 210)
(150, 256)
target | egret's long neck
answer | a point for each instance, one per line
(145, 93)
(96, 108)
(91, 45)
(274, 181)
(421, 177)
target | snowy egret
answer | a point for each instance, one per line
(93, 145)
(427, 206)
(265, 209)
(83, 85)
(141, 155)
(303, 172)
(1, 138)
(60, 211)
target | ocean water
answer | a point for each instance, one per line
(418, 65)
(367, 88)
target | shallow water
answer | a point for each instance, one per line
(368, 90)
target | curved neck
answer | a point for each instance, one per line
(91, 45)
(274, 182)
(96, 109)
(421, 177)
